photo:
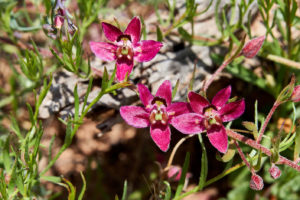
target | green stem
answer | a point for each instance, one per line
(77, 125)
(210, 181)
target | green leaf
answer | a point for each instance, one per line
(69, 136)
(87, 93)
(175, 89)
(105, 81)
(297, 144)
(184, 34)
(228, 156)
(15, 128)
(183, 175)
(168, 191)
(251, 127)
(83, 187)
(204, 164)
(112, 78)
(76, 97)
(5, 155)
(52, 179)
(71, 189)
(50, 147)
(124, 195)
(159, 34)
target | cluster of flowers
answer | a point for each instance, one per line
(192, 117)
(158, 112)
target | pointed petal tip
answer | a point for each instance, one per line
(218, 138)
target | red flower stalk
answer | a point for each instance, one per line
(158, 112)
(125, 47)
(210, 117)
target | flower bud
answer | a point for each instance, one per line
(274, 171)
(256, 182)
(296, 94)
(252, 47)
(58, 21)
(174, 173)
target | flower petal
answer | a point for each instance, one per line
(197, 102)
(123, 66)
(135, 116)
(145, 95)
(221, 97)
(146, 50)
(161, 135)
(232, 110)
(218, 138)
(134, 30)
(178, 108)
(189, 123)
(165, 91)
(104, 50)
(111, 32)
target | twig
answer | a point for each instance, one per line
(266, 151)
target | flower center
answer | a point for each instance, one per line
(211, 116)
(158, 113)
(125, 49)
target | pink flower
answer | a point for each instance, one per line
(296, 94)
(210, 117)
(158, 113)
(125, 47)
(275, 171)
(256, 182)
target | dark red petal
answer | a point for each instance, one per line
(111, 32)
(134, 30)
(190, 123)
(197, 102)
(145, 95)
(165, 91)
(232, 110)
(104, 50)
(135, 116)
(218, 137)
(146, 50)
(178, 108)
(221, 97)
(124, 66)
(161, 135)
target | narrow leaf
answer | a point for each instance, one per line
(183, 174)
(124, 191)
(204, 164)
(83, 187)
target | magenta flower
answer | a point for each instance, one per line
(158, 113)
(125, 47)
(210, 117)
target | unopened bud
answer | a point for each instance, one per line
(252, 47)
(296, 94)
(256, 182)
(58, 21)
(174, 173)
(274, 171)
